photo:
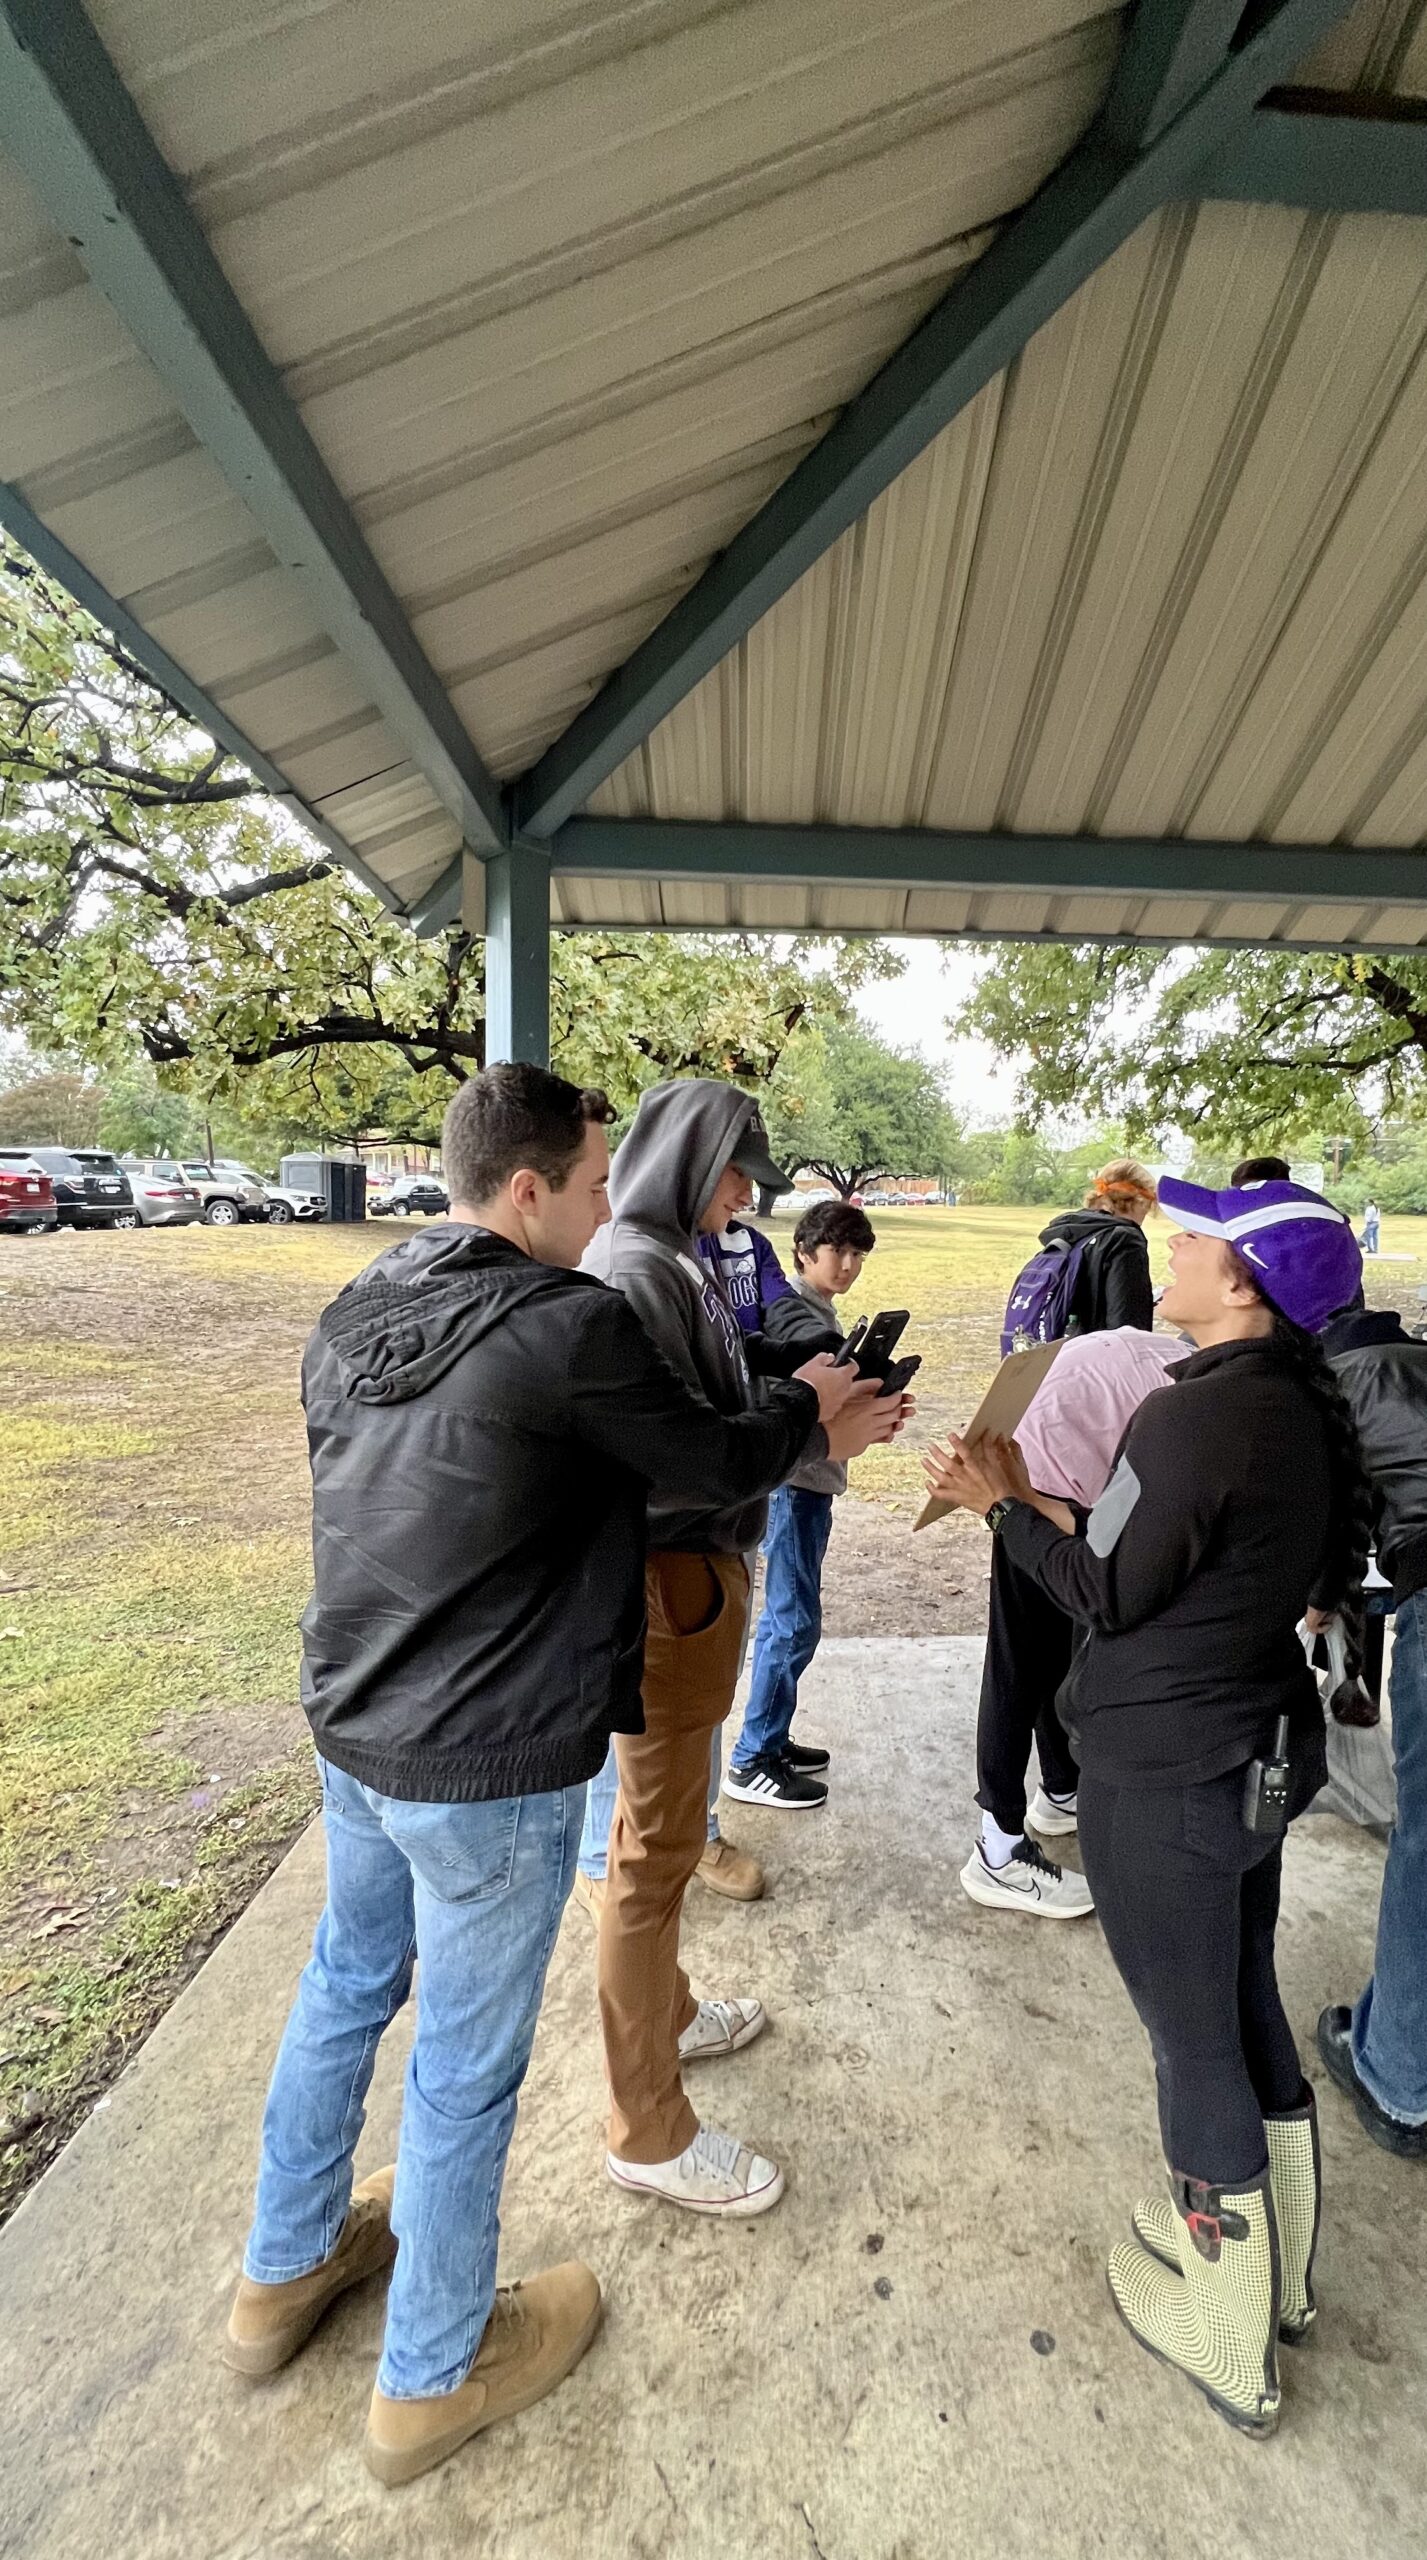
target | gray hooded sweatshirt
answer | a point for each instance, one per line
(662, 1180)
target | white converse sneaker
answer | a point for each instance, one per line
(1052, 1816)
(1027, 1882)
(717, 2174)
(722, 2026)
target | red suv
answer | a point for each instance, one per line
(27, 1200)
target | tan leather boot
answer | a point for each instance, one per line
(269, 2322)
(730, 1871)
(536, 2334)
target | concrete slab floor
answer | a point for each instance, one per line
(914, 2357)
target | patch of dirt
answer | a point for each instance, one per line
(881, 1579)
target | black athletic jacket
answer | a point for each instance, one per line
(1383, 1373)
(1195, 1566)
(483, 1432)
(1112, 1286)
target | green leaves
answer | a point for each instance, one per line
(1236, 1047)
(850, 1107)
(154, 904)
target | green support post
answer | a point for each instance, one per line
(518, 955)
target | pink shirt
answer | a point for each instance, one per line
(1074, 1424)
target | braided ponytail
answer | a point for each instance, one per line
(1345, 1548)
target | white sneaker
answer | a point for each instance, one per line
(722, 2026)
(1052, 1818)
(717, 2174)
(1027, 1882)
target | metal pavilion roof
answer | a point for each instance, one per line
(650, 433)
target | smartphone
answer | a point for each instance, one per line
(881, 1340)
(847, 1350)
(899, 1377)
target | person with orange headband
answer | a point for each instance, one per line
(1112, 1280)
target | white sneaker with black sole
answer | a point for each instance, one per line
(1052, 1816)
(717, 2174)
(1027, 1882)
(722, 2026)
(774, 1783)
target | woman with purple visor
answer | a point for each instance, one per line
(1237, 1502)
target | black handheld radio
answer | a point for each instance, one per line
(1266, 1784)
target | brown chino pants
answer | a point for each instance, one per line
(698, 1606)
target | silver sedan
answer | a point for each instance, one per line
(163, 1194)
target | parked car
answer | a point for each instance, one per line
(27, 1200)
(90, 1186)
(163, 1194)
(285, 1201)
(227, 1197)
(411, 1195)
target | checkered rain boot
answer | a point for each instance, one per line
(1214, 2317)
(1296, 2176)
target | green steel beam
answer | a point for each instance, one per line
(1135, 866)
(70, 125)
(1324, 161)
(440, 905)
(518, 955)
(1177, 46)
(1082, 214)
(26, 528)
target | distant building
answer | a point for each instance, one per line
(386, 1157)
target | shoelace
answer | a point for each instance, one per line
(1030, 1854)
(713, 2152)
(726, 2017)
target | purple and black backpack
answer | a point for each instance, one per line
(1038, 1309)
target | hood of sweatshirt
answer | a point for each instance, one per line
(663, 1176)
(1081, 1226)
(1360, 1329)
(411, 1314)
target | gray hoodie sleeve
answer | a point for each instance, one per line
(632, 1404)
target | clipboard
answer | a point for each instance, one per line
(1003, 1406)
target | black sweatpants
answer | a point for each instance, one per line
(1188, 1900)
(1029, 1642)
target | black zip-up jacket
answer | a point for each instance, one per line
(483, 1432)
(1195, 1566)
(1383, 1374)
(1112, 1286)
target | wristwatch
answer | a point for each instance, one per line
(997, 1513)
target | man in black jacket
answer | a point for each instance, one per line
(1377, 2050)
(484, 1422)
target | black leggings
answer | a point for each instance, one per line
(1188, 1900)
(1029, 1643)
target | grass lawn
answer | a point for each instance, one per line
(153, 1523)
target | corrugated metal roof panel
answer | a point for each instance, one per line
(1399, 928)
(1380, 45)
(1167, 578)
(561, 292)
(791, 906)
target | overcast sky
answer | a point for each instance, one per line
(911, 1012)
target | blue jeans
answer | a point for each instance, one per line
(799, 1525)
(1390, 2020)
(599, 1812)
(476, 1892)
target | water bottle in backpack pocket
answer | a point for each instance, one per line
(1038, 1309)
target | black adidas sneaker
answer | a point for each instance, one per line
(774, 1782)
(806, 1757)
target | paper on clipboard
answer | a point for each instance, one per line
(1020, 1376)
